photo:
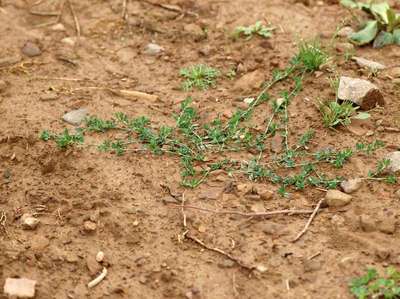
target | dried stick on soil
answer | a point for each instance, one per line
(76, 21)
(261, 214)
(314, 213)
(124, 9)
(220, 251)
(98, 279)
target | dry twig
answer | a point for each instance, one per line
(124, 9)
(76, 21)
(314, 213)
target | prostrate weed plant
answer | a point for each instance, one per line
(257, 29)
(199, 76)
(372, 285)
(194, 143)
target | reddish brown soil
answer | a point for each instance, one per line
(123, 195)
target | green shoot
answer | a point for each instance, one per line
(310, 56)
(257, 29)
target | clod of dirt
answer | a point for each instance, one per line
(352, 185)
(93, 266)
(3, 86)
(153, 49)
(393, 72)
(20, 287)
(387, 225)
(335, 198)
(211, 194)
(344, 47)
(273, 229)
(195, 32)
(89, 226)
(345, 31)
(397, 194)
(264, 192)
(48, 166)
(48, 97)
(369, 64)
(367, 224)
(39, 243)
(257, 207)
(277, 143)
(249, 81)
(361, 92)
(75, 117)
(226, 264)
(244, 188)
(29, 222)
(58, 27)
(31, 49)
(394, 158)
(7, 61)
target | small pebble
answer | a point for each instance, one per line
(100, 256)
(351, 185)
(31, 49)
(20, 288)
(89, 226)
(29, 222)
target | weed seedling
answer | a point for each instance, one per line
(310, 56)
(257, 29)
(95, 124)
(66, 139)
(334, 114)
(199, 76)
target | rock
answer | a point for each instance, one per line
(249, 81)
(3, 86)
(338, 220)
(20, 288)
(248, 101)
(29, 222)
(369, 64)
(226, 264)
(361, 92)
(58, 27)
(75, 117)
(335, 198)
(100, 256)
(48, 97)
(397, 194)
(312, 265)
(93, 266)
(210, 194)
(244, 188)
(387, 225)
(344, 47)
(351, 185)
(202, 228)
(71, 258)
(367, 224)
(205, 51)
(394, 158)
(277, 143)
(31, 49)
(153, 49)
(261, 268)
(345, 31)
(70, 41)
(89, 226)
(195, 31)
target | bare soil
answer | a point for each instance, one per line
(125, 196)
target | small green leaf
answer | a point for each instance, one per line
(396, 37)
(349, 3)
(383, 39)
(362, 115)
(366, 35)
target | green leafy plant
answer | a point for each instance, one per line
(335, 113)
(257, 29)
(372, 285)
(310, 56)
(383, 30)
(369, 148)
(95, 124)
(199, 76)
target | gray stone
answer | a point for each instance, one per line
(361, 92)
(75, 117)
(394, 159)
(20, 288)
(335, 198)
(31, 49)
(369, 64)
(352, 185)
(153, 49)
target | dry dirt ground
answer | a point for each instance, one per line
(141, 236)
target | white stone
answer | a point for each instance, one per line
(29, 222)
(372, 65)
(153, 49)
(394, 159)
(75, 117)
(20, 287)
